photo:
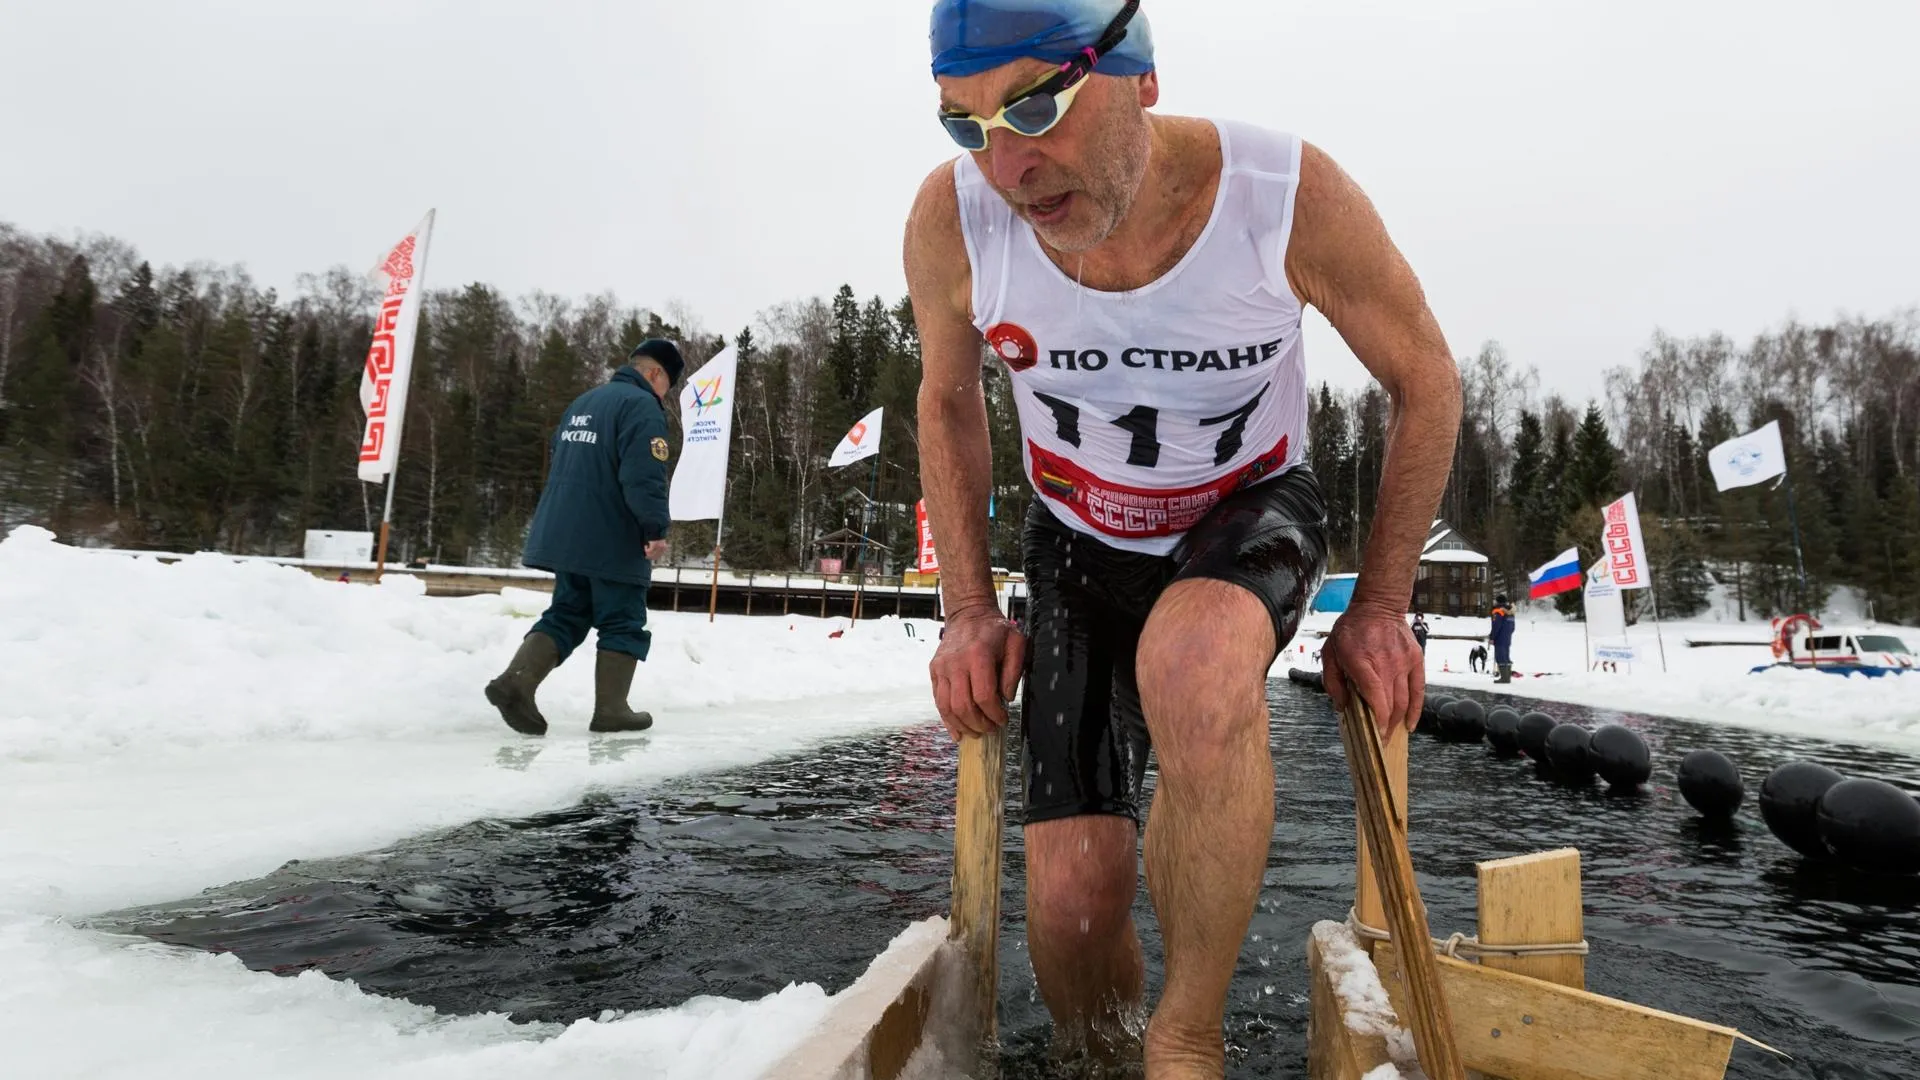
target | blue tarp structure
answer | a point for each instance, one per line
(1334, 594)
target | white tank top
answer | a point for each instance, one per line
(1140, 410)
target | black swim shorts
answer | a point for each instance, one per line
(1085, 737)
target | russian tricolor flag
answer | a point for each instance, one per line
(1558, 576)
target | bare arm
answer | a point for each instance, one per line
(977, 665)
(956, 457)
(1343, 263)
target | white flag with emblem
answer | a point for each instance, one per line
(699, 488)
(862, 442)
(1753, 458)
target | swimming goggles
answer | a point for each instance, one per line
(1037, 109)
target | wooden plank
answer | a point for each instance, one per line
(980, 799)
(1533, 900)
(1386, 836)
(1367, 902)
(1526, 1029)
(1334, 1050)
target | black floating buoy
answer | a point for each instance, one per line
(1711, 784)
(1534, 729)
(1620, 756)
(1433, 721)
(1317, 680)
(1568, 753)
(1789, 801)
(1469, 721)
(1871, 825)
(1503, 730)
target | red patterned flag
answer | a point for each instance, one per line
(383, 385)
(927, 562)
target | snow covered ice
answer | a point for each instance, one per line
(1712, 684)
(166, 728)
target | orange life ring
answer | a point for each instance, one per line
(1783, 632)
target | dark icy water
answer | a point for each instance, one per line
(802, 869)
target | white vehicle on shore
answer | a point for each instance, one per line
(1800, 641)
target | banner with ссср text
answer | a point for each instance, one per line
(1621, 547)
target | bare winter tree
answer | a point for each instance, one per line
(9, 304)
(100, 376)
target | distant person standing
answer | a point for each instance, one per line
(601, 521)
(1420, 631)
(1501, 638)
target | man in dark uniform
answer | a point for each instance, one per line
(1502, 638)
(601, 521)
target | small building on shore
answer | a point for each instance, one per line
(1452, 579)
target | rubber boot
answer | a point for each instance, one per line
(612, 677)
(512, 691)
(1506, 673)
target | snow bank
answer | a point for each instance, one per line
(1363, 1000)
(107, 651)
(177, 1012)
(166, 728)
(1357, 982)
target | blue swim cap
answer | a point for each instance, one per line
(971, 36)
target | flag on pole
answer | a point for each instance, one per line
(862, 442)
(699, 488)
(1606, 614)
(927, 562)
(1557, 576)
(383, 385)
(1748, 459)
(1626, 552)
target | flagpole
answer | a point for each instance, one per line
(860, 582)
(399, 428)
(386, 519)
(713, 599)
(1655, 597)
(1800, 562)
(1586, 638)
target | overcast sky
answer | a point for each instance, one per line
(1563, 176)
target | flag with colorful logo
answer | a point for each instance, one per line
(699, 488)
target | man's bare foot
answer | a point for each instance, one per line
(1177, 1055)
